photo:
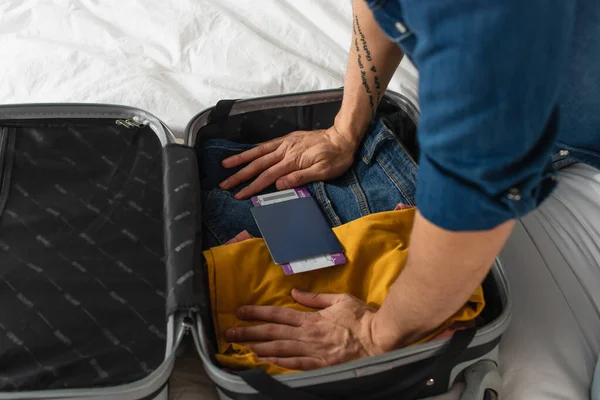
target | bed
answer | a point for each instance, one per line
(173, 58)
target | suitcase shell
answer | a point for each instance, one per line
(84, 312)
(257, 120)
(185, 309)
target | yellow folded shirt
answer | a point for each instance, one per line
(243, 273)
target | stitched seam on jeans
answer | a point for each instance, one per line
(396, 183)
(326, 203)
(214, 228)
(358, 193)
(334, 218)
(209, 231)
(209, 224)
(412, 160)
(372, 148)
(322, 202)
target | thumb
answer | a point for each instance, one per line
(299, 178)
(315, 300)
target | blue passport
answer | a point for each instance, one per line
(295, 229)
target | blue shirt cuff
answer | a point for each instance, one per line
(458, 205)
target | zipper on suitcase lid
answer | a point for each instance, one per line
(133, 122)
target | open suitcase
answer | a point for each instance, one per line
(101, 274)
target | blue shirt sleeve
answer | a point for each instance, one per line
(490, 78)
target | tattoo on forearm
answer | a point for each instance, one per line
(364, 46)
(377, 84)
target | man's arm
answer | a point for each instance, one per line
(306, 156)
(443, 270)
(372, 61)
(490, 80)
(490, 77)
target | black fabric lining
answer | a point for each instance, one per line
(266, 124)
(82, 275)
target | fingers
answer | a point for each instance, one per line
(278, 315)
(280, 348)
(254, 168)
(261, 333)
(252, 154)
(299, 178)
(265, 179)
(316, 300)
(297, 363)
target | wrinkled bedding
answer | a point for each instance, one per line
(173, 58)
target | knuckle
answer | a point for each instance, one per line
(262, 150)
(314, 332)
(279, 347)
(238, 333)
(307, 318)
(296, 178)
(346, 297)
(268, 174)
(271, 329)
(272, 313)
(301, 364)
(325, 360)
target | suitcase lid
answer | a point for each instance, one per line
(83, 283)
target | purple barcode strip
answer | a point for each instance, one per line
(339, 258)
(287, 269)
(302, 192)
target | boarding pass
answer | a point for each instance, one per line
(308, 264)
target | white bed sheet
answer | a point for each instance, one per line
(173, 58)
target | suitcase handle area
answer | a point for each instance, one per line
(408, 386)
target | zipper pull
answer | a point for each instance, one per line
(187, 325)
(131, 122)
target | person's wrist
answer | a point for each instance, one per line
(384, 333)
(351, 129)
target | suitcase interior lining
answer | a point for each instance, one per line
(82, 276)
(259, 126)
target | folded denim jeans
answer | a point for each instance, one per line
(382, 175)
